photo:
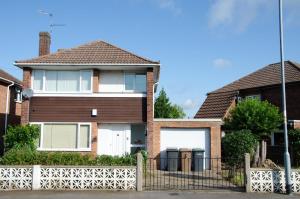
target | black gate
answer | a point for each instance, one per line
(186, 174)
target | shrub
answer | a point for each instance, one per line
(236, 144)
(26, 156)
(20, 136)
(294, 139)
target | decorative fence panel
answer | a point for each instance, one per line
(267, 180)
(17, 178)
(67, 178)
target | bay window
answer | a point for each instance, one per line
(64, 136)
(52, 81)
(135, 82)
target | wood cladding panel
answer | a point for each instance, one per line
(78, 109)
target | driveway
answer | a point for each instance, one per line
(133, 195)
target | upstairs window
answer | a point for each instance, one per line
(135, 82)
(62, 81)
(256, 97)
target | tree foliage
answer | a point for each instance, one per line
(294, 140)
(20, 136)
(236, 144)
(163, 108)
(260, 117)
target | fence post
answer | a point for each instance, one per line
(36, 177)
(247, 172)
(139, 172)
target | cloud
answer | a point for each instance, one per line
(221, 63)
(240, 14)
(189, 104)
(237, 13)
(169, 5)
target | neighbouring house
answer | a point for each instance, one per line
(263, 84)
(10, 106)
(98, 98)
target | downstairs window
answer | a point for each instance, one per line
(64, 136)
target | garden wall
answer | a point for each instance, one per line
(68, 178)
(269, 180)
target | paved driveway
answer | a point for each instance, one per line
(139, 195)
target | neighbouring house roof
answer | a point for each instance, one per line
(9, 77)
(218, 101)
(97, 52)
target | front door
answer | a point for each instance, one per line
(114, 139)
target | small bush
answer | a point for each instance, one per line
(236, 144)
(20, 136)
(26, 156)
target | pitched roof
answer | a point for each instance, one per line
(217, 102)
(9, 77)
(97, 52)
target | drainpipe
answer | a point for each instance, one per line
(7, 101)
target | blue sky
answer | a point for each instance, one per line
(202, 45)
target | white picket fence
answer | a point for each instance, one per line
(67, 178)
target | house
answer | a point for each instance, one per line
(10, 106)
(98, 98)
(263, 84)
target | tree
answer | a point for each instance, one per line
(259, 117)
(163, 108)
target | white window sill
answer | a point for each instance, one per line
(65, 150)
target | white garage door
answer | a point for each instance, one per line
(184, 138)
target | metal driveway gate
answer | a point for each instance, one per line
(186, 174)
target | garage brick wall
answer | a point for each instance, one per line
(153, 144)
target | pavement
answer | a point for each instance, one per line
(139, 195)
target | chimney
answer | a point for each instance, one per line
(44, 43)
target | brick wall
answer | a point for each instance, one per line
(273, 95)
(96, 81)
(215, 131)
(215, 136)
(25, 103)
(150, 113)
(94, 138)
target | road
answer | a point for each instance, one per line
(138, 195)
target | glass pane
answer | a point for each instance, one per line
(38, 79)
(84, 136)
(60, 136)
(138, 134)
(68, 81)
(86, 80)
(140, 83)
(129, 81)
(51, 78)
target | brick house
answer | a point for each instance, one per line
(10, 106)
(98, 98)
(263, 84)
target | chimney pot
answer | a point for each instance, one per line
(44, 43)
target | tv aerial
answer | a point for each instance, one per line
(51, 24)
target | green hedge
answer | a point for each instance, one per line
(27, 156)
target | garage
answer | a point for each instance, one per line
(184, 138)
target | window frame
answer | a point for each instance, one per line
(134, 90)
(62, 92)
(254, 96)
(40, 147)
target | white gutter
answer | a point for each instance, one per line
(7, 101)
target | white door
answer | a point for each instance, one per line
(113, 139)
(184, 138)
